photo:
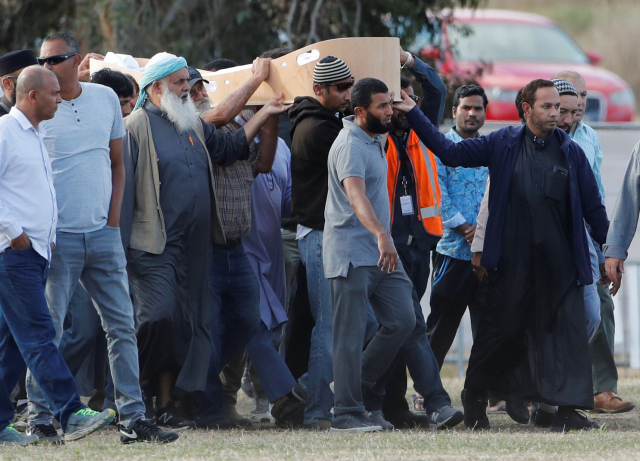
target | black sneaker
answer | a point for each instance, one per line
(144, 431)
(46, 433)
(541, 418)
(445, 418)
(518, 411)
(169, 416)
(407, 419)
(353, 422)
(289, 413)
(475, 410)
(566, 420)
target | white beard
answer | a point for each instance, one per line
(203, 105)
(181, 113)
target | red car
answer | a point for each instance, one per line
(520, 47)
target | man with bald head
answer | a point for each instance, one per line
(171, 217)
(605, 372)
(84, 141)
(28, 216)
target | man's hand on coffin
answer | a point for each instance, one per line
(406, 104)
(404, 57)
(260, 68)
(83, 68)
(275, 106)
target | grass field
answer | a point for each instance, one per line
(619, 439)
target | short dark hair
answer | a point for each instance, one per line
(364, 89)
(70, 42)
(519, 105)
(134, 82)
(469, 90)
(276, 53)
(404, 83)
(219, 64)
(115, 80)
(530, 89)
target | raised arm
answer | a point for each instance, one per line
(469, 153)
(231, 106)
(433, 88)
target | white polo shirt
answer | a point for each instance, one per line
(27, 197)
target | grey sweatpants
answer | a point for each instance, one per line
(390, 298)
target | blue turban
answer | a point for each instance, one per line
(161, 65)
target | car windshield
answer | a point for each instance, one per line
(500, 41)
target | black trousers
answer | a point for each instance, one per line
(454, 287)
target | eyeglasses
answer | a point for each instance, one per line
(415, 98)
(55, 60)
(343, 86)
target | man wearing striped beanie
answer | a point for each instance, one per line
(317, 122)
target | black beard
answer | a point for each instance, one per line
(400, 124)
(13, 96)
(374, 125)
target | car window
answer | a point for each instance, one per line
(499, 41)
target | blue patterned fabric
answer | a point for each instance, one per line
(587, 138)
(461, 191)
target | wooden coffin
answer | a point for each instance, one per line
(292, 74)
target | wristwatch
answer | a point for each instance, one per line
(409, 61)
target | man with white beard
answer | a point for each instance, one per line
(198, 92)
(169, 220)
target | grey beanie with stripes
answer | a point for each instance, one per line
(330, 70)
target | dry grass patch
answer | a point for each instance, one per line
(618, 440)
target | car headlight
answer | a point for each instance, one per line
(623, 98)
(501, 94)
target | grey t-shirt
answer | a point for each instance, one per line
(346, 241)
(78, 143)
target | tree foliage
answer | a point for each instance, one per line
(202, 30)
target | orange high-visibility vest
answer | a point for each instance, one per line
(425, 170)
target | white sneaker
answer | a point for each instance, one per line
(261, 412)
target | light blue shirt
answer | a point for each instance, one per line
(78, 140)
(588, 140)
(461, 192)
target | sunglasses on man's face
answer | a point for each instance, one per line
(343, 86)
(54, 60)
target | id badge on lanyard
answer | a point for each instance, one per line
(406, 201)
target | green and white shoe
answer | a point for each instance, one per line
(86, 421)
(10, 437)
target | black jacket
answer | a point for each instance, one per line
(314, 130)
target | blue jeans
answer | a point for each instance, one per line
(27, 334)
(320, 374)
(236, 319)
(96, 260)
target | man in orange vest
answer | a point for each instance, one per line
(416, 227)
